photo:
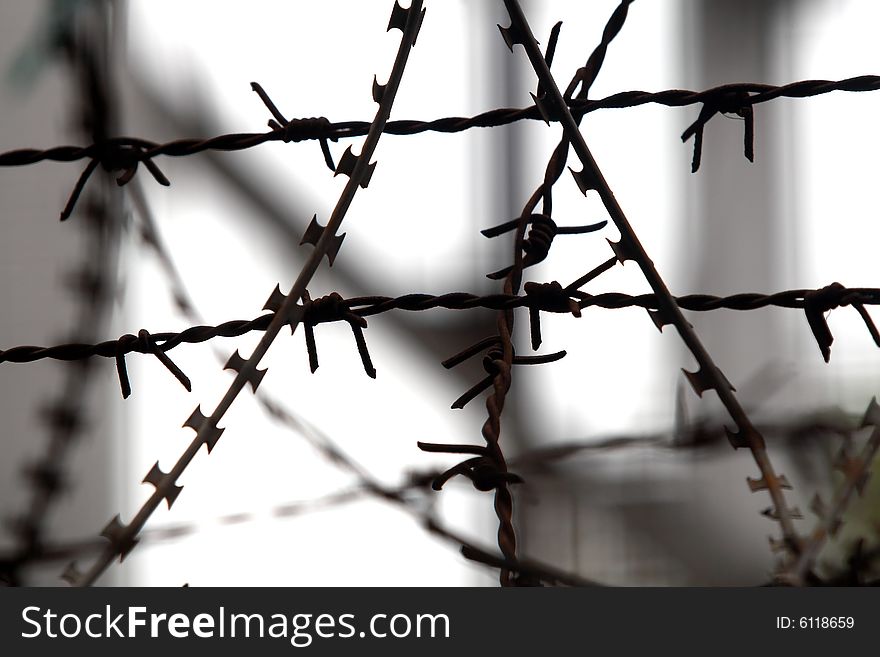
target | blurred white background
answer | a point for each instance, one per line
(800, 216)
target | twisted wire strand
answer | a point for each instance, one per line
(375, 305)
(316, 128)
(121, 537)
(708, 376)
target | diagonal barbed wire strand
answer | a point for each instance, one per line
(708, 376)
(122, 538)
(489, 470)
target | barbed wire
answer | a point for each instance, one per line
(319, 128)
(367, 306)
(123, 537)
(708, 375)
(124, 154)
(82, 46)
(412, 495)
(534, 233)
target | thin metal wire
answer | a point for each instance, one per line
(123, 154)
(121, 537)
(375, 305)
(709, 376)
(488, 469)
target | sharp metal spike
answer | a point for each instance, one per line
(701, 382)
(621, 250)
(197, 420)
(698, 381)
(659, 318)
(346, 163)
(157, 478)
(112, 529)
(772, 513)
(761, 484)
(274, 303)
(398, 19)
(511, 36)
(754, 484)
(872, 414)
(542, 108)
(378, 90)
(236, 363)
(275, 299)
(313, 233)
(346, 166)
(114, 532)
(584, 181)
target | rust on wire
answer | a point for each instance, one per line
(533, 231)
(207, 431)
(123, 154)
(745, 435)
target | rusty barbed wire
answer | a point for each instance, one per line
(856, 471)
(746, 94)
(417, 482)
(330, 449)
(121, 537)
(708, 376)
(124, 154)
(362, 307)
(488, 469)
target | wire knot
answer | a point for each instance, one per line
(332, 308)
(295, 130)
(818, 302)
(113, 155)
(145, 344)
(549, 297)
(485, 472)
(724, 101)
(494, 364)
(537, 244)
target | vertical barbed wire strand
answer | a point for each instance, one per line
(84, 45)
(708, 376)
(501, 384)
(123, 537)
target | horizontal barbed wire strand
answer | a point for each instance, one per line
(308, 129)
(374, 305)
